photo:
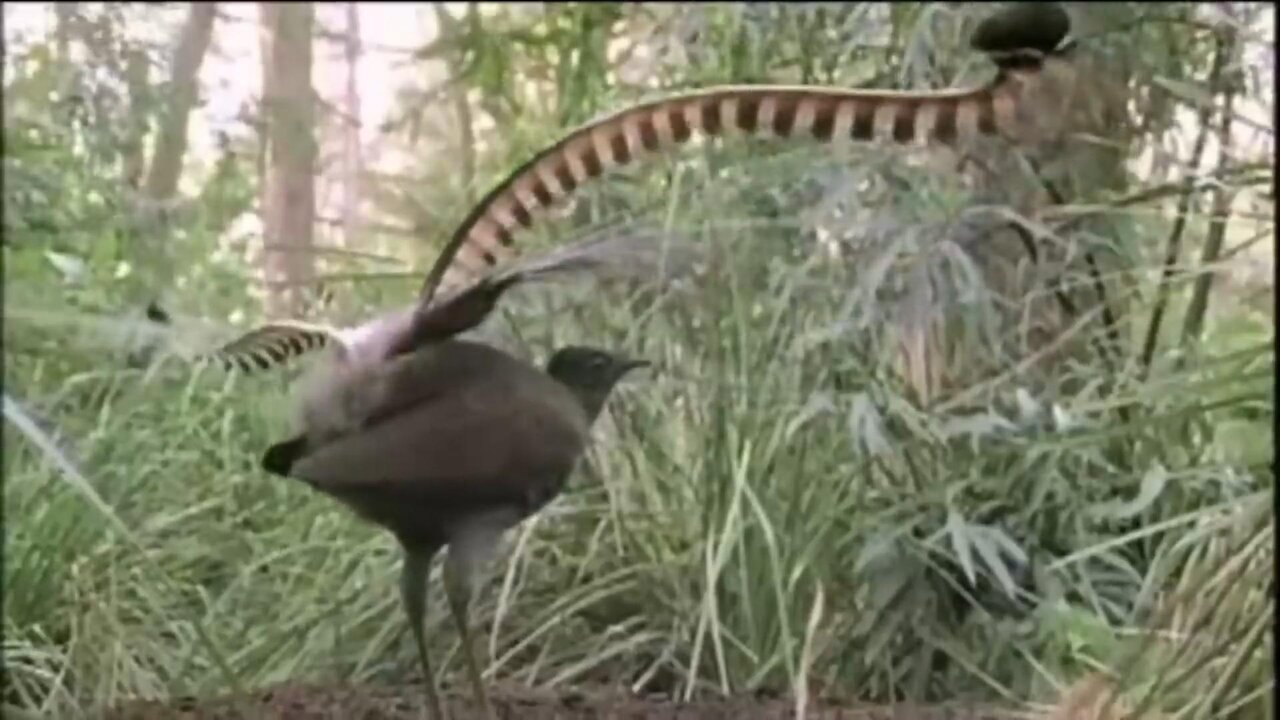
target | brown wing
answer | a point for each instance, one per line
(477, 435)
(486, 236)
(498, 447)
(481, 436)
(351, 396)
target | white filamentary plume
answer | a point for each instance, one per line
(335, 396)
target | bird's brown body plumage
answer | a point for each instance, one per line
(453, 444)
(451, 429)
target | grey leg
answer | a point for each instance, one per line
(467, 557)
(413, 593)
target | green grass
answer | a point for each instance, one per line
(771, 509)
(775, 508)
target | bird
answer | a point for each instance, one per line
(457, 442)
(447, 442)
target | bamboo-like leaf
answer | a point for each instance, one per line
(30, 428)
(977, 425)
(73, 268)
(991, 544)
(1153, 484)
(961, 543)
(817, 404)
(1192, 93)
(866, 425)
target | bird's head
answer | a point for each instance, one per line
(590, 373)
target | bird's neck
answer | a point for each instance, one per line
(591, 399)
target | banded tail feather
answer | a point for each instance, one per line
(486, 236)
(274, 343)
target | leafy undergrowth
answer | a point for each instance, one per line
(300, 702)
(771, 509)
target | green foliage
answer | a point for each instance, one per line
(81, 241)
(778, 508)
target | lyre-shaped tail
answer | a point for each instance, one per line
(1019, 41)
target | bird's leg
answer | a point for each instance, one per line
(413, 592)
(461, 570)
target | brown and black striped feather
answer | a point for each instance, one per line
(273, 344)
(828, 115)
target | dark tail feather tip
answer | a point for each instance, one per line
(279, 458)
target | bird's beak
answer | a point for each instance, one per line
(629, 365)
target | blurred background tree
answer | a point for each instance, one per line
(933, 424)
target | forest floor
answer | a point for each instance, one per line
(303, 702)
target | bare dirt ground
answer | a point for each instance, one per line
(300, 702)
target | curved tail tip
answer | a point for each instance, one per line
(1038, 26)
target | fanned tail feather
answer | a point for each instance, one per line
(273, 344)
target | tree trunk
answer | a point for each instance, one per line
(137, 80)
(449, 27)
(351, 131)
(155, 209)
(64, 14)
(171, 144)
(289, 185)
